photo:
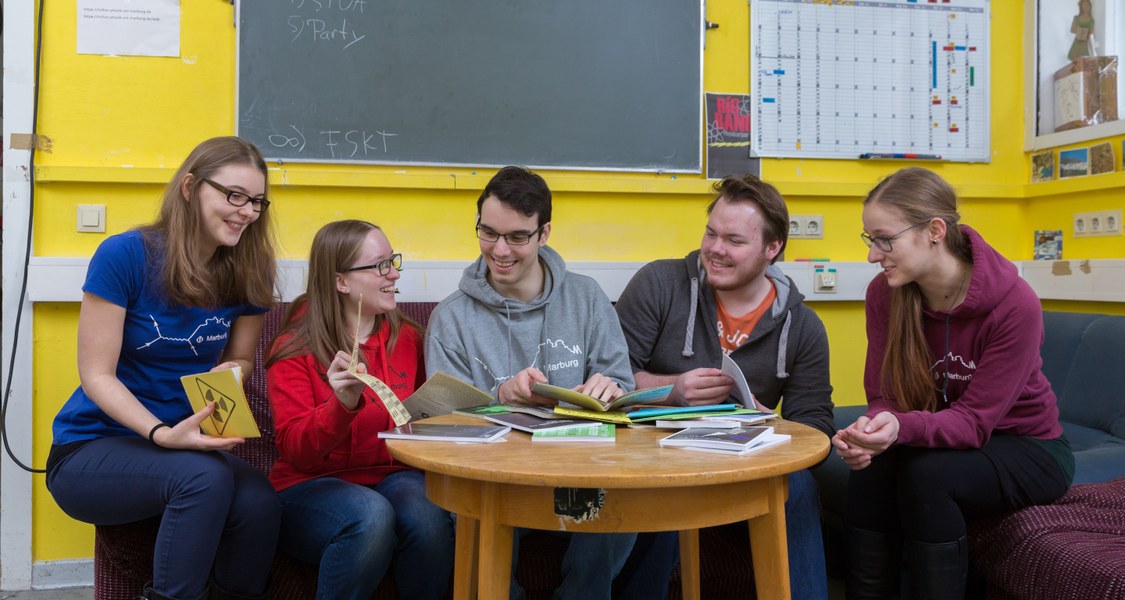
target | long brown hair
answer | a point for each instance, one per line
(920, 195)
(316, 321)
(245, 273)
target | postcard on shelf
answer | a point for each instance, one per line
(443, 394)
(588, 433)
(1048, 244)
(1101, 159)
(439, 432)
(561, 394)
(232, 416)
(1043, 166)
(739, 440)
(1074, 162)
(533, 424)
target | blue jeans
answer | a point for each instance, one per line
(220, 515)
(355, 532)
(649, 569)
(591, 562)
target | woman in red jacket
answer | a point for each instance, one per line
(347, 505)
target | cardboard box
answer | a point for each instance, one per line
(1086, 92)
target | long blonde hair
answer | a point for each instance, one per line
(316, 321)
(245, 273)
(920, 195)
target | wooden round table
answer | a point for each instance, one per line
(632, 485)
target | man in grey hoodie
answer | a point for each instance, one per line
(518, 318)
(681, 315)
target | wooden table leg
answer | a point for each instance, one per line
(770, 546)
(495, 557)
(689, 564)
(465, 559)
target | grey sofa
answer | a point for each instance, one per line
(1084, 359)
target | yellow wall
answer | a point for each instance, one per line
(120, 125)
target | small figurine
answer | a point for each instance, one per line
(1083, 28)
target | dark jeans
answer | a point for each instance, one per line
(356, 532)
(220, 515)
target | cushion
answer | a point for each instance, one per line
(1094, 392)
(1062, 334)
(1071, 549)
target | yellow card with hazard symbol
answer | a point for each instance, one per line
(232, 416)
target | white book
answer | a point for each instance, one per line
(738, 438)
(689, 423)
(440, 432)
(739, 419)
(773, 439)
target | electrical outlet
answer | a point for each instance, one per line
(796, 226)
(1111, 222)
(824, 281)
(1080, 224)
(814, 226)
(1097, 223)
(806, 226)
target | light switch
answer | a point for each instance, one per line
(91, 218)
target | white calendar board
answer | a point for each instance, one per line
(849, 78)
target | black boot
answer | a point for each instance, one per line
(874, 562)
(938, 571)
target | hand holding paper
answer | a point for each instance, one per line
(398, 412)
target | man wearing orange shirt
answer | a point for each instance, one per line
(681, 315)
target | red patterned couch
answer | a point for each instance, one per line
(1073, 549)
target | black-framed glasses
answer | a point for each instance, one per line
(238, 198)
(516, 238)
(383, 266)
(883, 242)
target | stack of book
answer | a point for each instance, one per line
(441, 432)
(736, 441)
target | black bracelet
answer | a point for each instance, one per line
(152, 432)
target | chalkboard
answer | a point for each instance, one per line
(577, 84)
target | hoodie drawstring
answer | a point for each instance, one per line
(688, 349)
(783, 346)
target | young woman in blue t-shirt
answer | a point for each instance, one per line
(184, 294)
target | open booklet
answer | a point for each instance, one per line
(232, 416)
(741, 390)
(561, 394)
(442, 394)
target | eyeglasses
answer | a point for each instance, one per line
(517, 238)
(383, 266)
(238, 198)
(883, 242)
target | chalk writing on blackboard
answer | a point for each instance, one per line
(340, 143)
(581, 84)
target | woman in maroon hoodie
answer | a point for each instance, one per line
(346, 505)
(961, 422)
